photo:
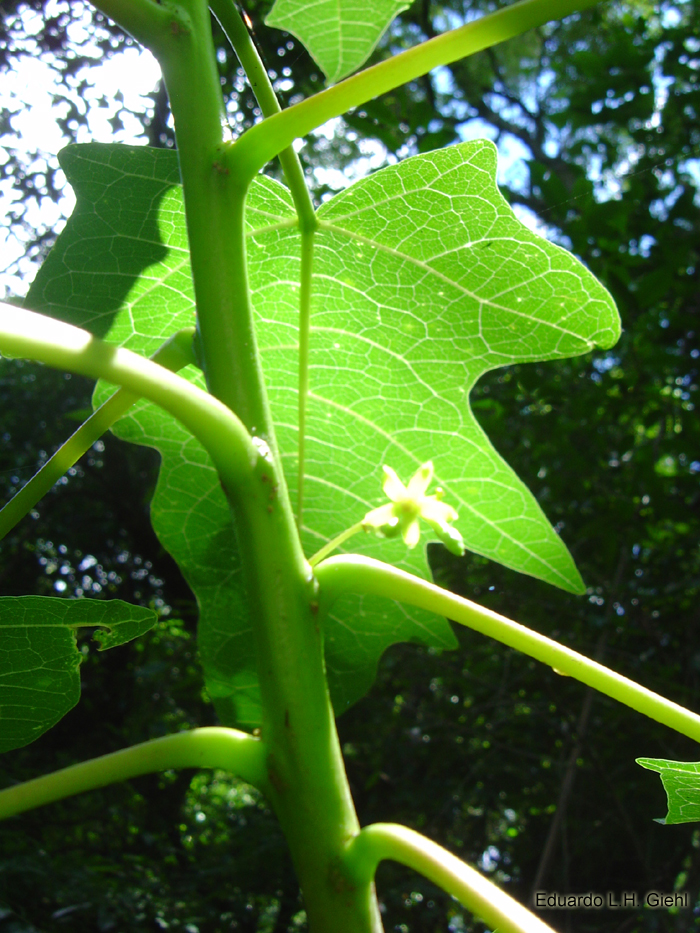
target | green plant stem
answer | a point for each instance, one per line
(352, 573)
(239, 37)
(181, 40)
(334, 543)
(209, 747)
(152, 24)
(478, 894)
(175, 353)
(306, 776)
(214, 210)
(236, 32)
(263, 142)
(62, 346)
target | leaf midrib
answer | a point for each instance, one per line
(419, 263)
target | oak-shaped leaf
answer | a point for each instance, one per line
(423, 281)
(39, 657)
(121, 269)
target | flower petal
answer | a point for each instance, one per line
(380, 517)
(408, 504)
(420, 481)
(433, 510)
(393, 487)
(411, 533)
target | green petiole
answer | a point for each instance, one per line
(237, 34)
(263, 142)
(356, 574)
(209, 747)
(335, 543)
(46, 340)
(486, 901)
(176, 353)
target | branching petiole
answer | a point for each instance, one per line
(263, 142)
(37, 337)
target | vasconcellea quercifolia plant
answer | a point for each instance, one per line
(305, 375)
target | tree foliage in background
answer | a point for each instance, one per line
(471, 747)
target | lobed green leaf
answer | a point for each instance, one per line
(425, 280)
(39, 658)
(138, 309)
(410, 308)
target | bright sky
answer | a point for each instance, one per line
(38, 97)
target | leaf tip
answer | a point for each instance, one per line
(571, 580)
(578, 587)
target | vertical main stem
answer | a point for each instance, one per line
(242, 43)
(215, 228)
(305, 769)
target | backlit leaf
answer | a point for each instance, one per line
(681, 781)
(339, 34)
(423, 281)
(137, 304)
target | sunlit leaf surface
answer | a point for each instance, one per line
(681, 781)
(339, 34)
(423, 281)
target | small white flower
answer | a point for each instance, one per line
(408, 504)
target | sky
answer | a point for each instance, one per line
(38, 98)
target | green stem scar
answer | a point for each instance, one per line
(352, 573)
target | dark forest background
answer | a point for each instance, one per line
(527, 774)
